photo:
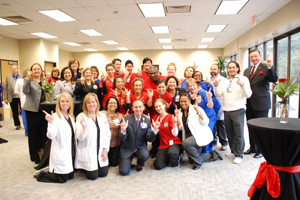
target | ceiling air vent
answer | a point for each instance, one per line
(17, 19)
(178, 9)
(178, 40)
(84, 43)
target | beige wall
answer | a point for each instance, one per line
(49, 52)
(30, 53)
(182, 58)
(64, 57)
(9, 49)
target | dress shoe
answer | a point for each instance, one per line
(223, 148)
(196, 167)
(248, 152)
(18, 127)
(257, 155)
(139, 167)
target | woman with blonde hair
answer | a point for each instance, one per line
(61, 126)
(36, 124)
(93, 134)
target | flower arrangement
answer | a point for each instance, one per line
(284, 89)
(47, 86)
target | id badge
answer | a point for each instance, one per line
(229, 90)
(170, 142)
(143, 125)
(117, 122)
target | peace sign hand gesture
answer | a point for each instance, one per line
(150, 93)
(48, 117)
(103, 77)
(123, 125)
(239, 82)
(216, 82)
(177, 111)
(193, 95)
(139, 73)
(156, 124)
(268, 62)
(207, 82)
(83, 123)
(209, 94)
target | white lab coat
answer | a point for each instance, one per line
(86, 154)
(199, 128)
(60, 133)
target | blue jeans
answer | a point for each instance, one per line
(24, 122)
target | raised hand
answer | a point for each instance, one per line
(216, 82)
(207, 82)
(180, 80)
(139, 73)
(82, 79)
(156, 124)
(150, 93)
(29, 73)
(127, 92)
(124, 125)
(148, 115)
(209, 94)
(177, 111)
(195, 66)
(115, 92)
(268, 62)
(239, 82)
(198, 100)
(83, 122)
(193, 95)
(103, 78)
(48, 117)
(127, 113)
(168, 105)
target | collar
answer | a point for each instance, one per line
(236, 76)
(15, 77)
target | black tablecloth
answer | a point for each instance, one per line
(48, 107)
(280, 145)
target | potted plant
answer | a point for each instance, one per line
(221, 61)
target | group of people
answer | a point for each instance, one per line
(122, 111)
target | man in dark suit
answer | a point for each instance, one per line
(135, 132)
(260, 74)
(12, 97)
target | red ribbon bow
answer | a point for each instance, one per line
(268, 173)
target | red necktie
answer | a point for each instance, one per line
(252, 72)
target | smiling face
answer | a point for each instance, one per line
(95, 74)
(192, 86)
(14, 70)
(36, 71)
(172, 84)
(91, 105)
(55, 74)
(117, 65)
(184, 102)
(110, 71)
(87, 75)
(64, 104)
(198, 77)
(112, 105)
(138, 108)
(146, 65)
(189, 72)
(74, 66)
(171, 70)
(232, 70)
(67, 75)
(160, 107)
(255, 57)
(161, 89)
(129, 67)
(119, 83)
(153, 73)
(214, 70)
(137, 86)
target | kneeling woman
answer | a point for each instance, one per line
(61, 131)
(170, 144)
(196, 134)
(93, 135)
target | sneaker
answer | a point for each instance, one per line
(237, 160)
(37, 173)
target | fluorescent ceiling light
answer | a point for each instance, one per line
(230, 7)
(72, 44)
(202, 46)
(122, 48)
(167, 47)
(207, 39)
(5, 22)
(110, 42)
(152, 10)
(43, 35)
(160, 29)
(91, 32)
(215, 28)
(58, 15)
(90, 49)
(166, 40)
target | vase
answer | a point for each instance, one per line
(48, 97)
(283, 111)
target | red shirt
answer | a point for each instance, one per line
(148, 83)
(166, 96)
(128, 82)
(166, 138)
(143, 98)
(120, 99)
(109, 86)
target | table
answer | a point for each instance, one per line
(280, 146)
(48, 107)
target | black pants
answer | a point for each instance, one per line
(114, 156)
(221, 132)
(252, 114)
(55, 178)
(37, 129)
(15, 105)
(169, 154)
(92, 175)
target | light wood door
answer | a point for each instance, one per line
(49, 67)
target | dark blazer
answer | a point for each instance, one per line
(82, 90)
(135, 138)
(260, 98)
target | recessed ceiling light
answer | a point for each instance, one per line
(166, 40)
(57, 15)
(202, 46)
(122, 48)
(152, 9)
(90, 49)
(167, 47)
(230, 7)
(110, 42)
(207, 39)
(160, 29)
(43, 35)
(215, 28)
(91, 32)
(5, 22)
(72, 44)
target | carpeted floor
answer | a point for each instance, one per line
(220, 180)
